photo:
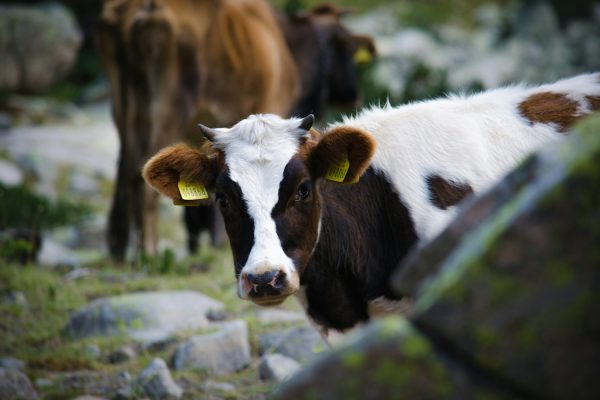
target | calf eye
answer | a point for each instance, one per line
(303, 191)
(222, 201)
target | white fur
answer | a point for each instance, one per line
(257, 150)
(474, 139)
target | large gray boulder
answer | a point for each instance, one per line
(520, 293)
(146, 317)
(220, 353)
(506, 299)
(38, 45)
(388, 360)
(14, 385)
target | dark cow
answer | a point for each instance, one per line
(294, 231)
(324, 51)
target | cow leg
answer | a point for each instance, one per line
(150, 221)
(195, 219)
(119, 217)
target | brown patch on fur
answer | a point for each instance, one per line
(444, 194)
(181, 162)
(594, 102)
(343, 141)
(550, 108)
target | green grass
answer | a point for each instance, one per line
(34, 333)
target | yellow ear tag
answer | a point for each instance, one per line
(337, 172)
(192, 191)
(362, 56)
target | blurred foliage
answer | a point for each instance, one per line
(21, 208)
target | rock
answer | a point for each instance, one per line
(12, 363)
(6, 121)
(146, 317)
(302, 343)
(44, 383)
(212, 386)
(520, 293)
(156, 382)
(102, 384)
(86, 397)
(14, 298)
(389, 359)
(15, 385)
(122, 354)
(92, 351)
(77, 274)
(216, 315)
(270, 316)
(38, 46)
(219, 353)
(10, 174)
(275, 367)
(54, 254)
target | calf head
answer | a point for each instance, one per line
(263, 173)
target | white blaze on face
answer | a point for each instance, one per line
(257, 151)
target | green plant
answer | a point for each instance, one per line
(21, 208)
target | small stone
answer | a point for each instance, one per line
(156, 382)
(15, 385)
(122, 354)
(92, 351)
(10, 174)
(77, 274)
(274, 316)
(302, 343)
(15, 298)
(44, 382)
(216, 315)
(12, 363)
(213, 386)
(275, 367)
(220, 353)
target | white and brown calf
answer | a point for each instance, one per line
(335, 245)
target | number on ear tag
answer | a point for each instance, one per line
(337, 172)
(192, 191)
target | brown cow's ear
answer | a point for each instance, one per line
(180, 162)
(342, 155)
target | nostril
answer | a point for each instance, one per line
(262, 279)
(278, 280)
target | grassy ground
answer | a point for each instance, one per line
(34, 333)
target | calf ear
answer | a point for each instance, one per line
(178, 163)
(342, 154)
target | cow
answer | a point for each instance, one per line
(328, 217)
(171, 62)
(324, 53)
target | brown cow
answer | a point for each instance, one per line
(171, 63)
